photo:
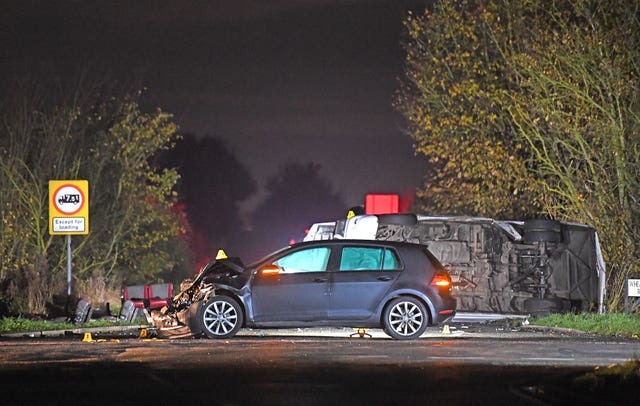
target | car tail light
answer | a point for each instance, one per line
(441, 280)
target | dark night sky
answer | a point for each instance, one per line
(280, 81)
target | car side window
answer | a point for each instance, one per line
(368, 258)
(391, 261)
(308, 260)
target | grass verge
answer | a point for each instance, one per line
(23, 325)
(614, 324)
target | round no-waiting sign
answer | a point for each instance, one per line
(68, 207)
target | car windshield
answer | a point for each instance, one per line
(266, 257)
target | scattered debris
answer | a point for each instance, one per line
(361, 332)
(83, 312)
(88, 338)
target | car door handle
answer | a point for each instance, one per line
(384, 278)
(319, 280)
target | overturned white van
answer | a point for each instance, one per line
(535, 267)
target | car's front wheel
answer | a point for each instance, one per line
(220, 317)
(405, 318)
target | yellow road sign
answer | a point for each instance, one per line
(68, 207)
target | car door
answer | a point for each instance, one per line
(364, 276)
(296, 290)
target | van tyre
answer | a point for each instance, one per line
(542, 230)
(220, 317)
(401, 219)
(83, 312)
(538, 307)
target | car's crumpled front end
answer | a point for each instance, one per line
(177, 320)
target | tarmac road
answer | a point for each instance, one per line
(474, 364)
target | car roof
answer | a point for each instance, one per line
(341, 241)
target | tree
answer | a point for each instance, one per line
(297, 197)
(579, 113)
(212, 184)
(85, 134)
(133, 198)
(549, 94)
(456, 75)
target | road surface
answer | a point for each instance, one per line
(301, 367)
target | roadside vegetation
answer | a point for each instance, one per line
(614, 324)
(531, 109)
(83, 132)
(24, 325)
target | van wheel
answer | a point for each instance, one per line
(542, 230)
(400, 219)
(538, 307)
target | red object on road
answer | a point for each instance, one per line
(150, 296)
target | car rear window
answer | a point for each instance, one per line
(368, 258)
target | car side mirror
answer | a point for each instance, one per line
(270, 269)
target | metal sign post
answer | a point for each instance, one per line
(68, 265)
(626, 295)
(68, 214)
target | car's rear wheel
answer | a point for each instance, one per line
(220, 317)
(405, 318)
